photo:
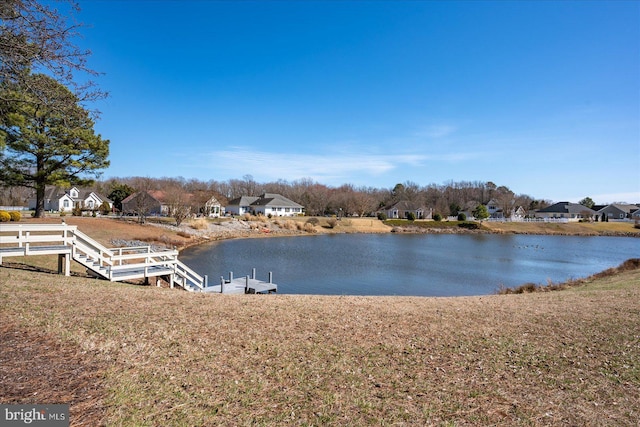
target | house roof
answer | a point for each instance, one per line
(622, 207)
(266, 199)
(567, 208)
(271, 200)
(54, 193)
(137, 193)
(405, 205)
(242, 201)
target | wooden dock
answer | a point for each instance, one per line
(244, 285)
(117, 264)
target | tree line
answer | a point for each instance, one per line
(447, 199)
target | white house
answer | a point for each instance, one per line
(64, 200)
(266, 204)
(213, 208)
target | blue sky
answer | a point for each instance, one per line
(543, 97)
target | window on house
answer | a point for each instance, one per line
(65, 203)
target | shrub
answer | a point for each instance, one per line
(437, 217)
(15, 216)
(332, 222)
(286, 224)
(313, 221)
(469, 225)
(76, 211)
(4, 216)
(462, 216)
(309, 228)
(411, 216)
(199, 224)
(382, 216)
(104, 208)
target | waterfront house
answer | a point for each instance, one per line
(403, 208)
(58, 199)
(566, 210)
(213, 208)
(618, 211)
(265, 204)
(146, 203)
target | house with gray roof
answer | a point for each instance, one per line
(267, 204)
(403, 208)
(618, 211)
(567, 211)
(58, 199)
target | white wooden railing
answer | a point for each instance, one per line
(114, 264)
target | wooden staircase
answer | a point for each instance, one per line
(114, 264)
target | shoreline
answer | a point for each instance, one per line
(410, 228)
(191, 233)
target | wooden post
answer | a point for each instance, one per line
(206, 280)
(230, 276)
(221, 285)
(246, 285)
(64, 264)
(270, 277)
(253, 273)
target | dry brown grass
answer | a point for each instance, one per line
(133, 355)
(199, 224)
(628, 265)
(572, 228)
(105, 229)
(166, 357)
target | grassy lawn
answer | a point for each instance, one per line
(132, 355)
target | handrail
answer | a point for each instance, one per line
(90, 241)
(188, 274)
(37, 227)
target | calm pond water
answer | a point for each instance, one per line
(416, 265)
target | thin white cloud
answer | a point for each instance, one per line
(631, 197)
(336, 167)
(283, 164)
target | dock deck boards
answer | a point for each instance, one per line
(34, 250)
(239, 286)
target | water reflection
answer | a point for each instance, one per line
(421, 265)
